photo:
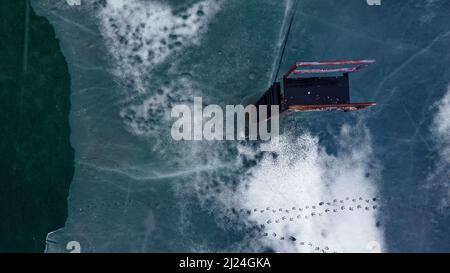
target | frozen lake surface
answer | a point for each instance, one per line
(375, 180)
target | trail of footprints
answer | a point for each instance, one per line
(309, 211)
(321, 209)
(309, 245)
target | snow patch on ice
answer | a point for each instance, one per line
(304, 176)
(440, 129)
(302, 198)
(73, 2)
(140, 35)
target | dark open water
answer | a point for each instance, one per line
(36, 157)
